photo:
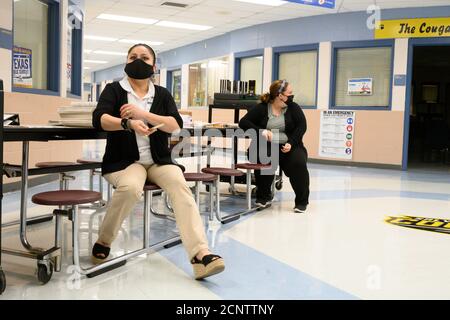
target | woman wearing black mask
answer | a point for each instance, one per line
(135, 152)
(281, 121)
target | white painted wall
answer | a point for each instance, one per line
(163, 78)
(324, 76)
(400, 67)
(231, 64)
(5, 69)
(6, 22)
(6, 16)
(267, 69)
(184, 86)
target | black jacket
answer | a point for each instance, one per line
(121, 146)
(294, 117)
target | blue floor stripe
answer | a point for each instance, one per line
(250, 274)
(366, 194)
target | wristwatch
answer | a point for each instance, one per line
(125, 125)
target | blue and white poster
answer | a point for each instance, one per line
(22, 67)
(337, 133)
(360, 87)
(330, 4)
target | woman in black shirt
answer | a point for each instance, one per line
(281, 121)
(135, 152)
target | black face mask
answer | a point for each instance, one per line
(139, 69)
(290, 99)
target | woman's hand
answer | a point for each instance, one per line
(141, 128)
(268, 135)
(286, 148)
(130, 111)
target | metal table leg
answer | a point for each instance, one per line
(46, 259)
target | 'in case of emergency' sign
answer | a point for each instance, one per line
(22, 71)
(337, 131)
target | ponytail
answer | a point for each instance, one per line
(277, 87)
(265, 98)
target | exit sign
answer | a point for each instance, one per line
(318, 3)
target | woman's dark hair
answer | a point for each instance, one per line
(277, 87)
(152, 52)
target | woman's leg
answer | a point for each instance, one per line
(263, 186)
(129, 184)
(170, 178)
(294, 166)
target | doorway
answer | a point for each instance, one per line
(429, 117)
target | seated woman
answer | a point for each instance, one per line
(135, 152)
(283, 123)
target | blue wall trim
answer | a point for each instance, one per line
(315, 29)
(412, 44)
(6, 39)
(249, 53)
(77, 54)
(330, 27)
(359, 44)
(301, 48)
(36, 91)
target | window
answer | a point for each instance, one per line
(300, 70)
(36, 52)
(197, 84)
(363, 77)
(217, 70)
(204, 80)
(175, 88)
(251, 68)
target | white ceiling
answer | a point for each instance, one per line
(223, 15)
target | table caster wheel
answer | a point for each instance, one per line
(44, 273)
(279, 185)
(2, 282)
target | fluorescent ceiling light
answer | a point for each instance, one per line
(111, 53)
(89, 37)
(179, 25)
(273, 3)
(87, 51)
(150, 43)
(95, 61)
(87, 68)
(114, 17)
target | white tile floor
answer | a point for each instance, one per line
(340, 249)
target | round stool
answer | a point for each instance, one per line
(94, 172)
(198, 178)
(249, 167)
(70, 199)
(63, 177)
(227, 172)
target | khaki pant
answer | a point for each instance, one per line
(129, 184)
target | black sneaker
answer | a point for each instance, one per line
(260, 203)
(300, 209)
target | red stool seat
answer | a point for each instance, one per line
(151, 187)
(55, 164)
(88, 161)
(252, 166)
(228, 172)
(66, 197)
(203, 177)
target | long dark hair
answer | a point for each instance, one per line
(277, 87)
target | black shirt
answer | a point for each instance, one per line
(121, 146)
(294, 118)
